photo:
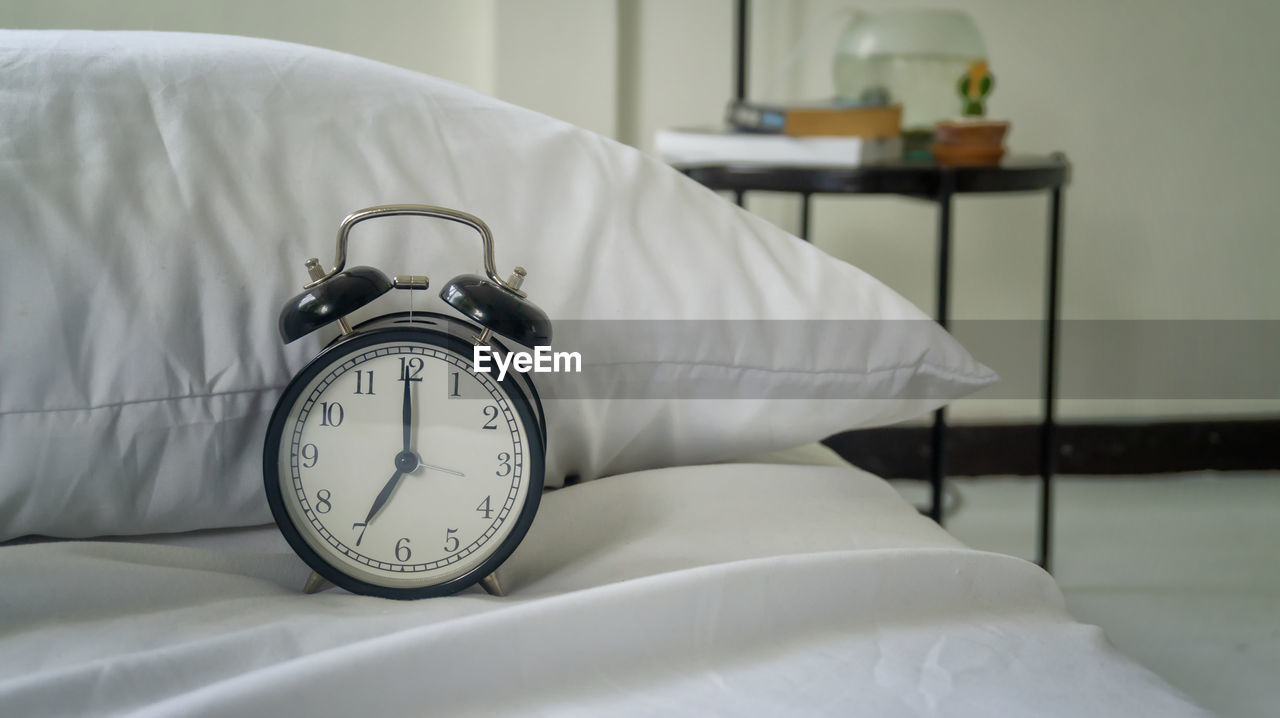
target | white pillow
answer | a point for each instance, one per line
(159, 192)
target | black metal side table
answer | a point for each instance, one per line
(935, 183)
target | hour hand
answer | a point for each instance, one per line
(383, 495)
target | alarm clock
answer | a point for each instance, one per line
(391, 466)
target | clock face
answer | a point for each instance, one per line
(398, 467)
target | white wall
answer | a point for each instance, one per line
(447, 38)
(1168, 113)
(1167, 109)
(559, 57)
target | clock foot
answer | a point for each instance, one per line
(316, 583)
(491, 586)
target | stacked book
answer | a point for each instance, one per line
(816, 135)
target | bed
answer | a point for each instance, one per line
(733, 589)
(158, 193)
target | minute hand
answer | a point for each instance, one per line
(407, 412)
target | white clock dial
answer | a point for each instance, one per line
(403, 489)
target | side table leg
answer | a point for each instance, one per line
(1048, 427)
(804, 216)
(938, 454)
(937, 464)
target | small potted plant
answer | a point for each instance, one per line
(972, 139)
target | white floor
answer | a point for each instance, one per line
(1182, 572)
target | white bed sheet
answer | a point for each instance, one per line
(734, 589)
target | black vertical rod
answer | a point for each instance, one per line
(740, 52)
(1048, 428)
(739, 197)
(938, 461)
(938, 453)
(946, 188)
(804, 216)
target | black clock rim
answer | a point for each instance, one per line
(275, 499)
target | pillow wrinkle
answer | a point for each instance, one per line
(72, 321)
(455, 174)
(155, 125)
(145, 465)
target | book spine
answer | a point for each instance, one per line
(869, 122)
(754, 118)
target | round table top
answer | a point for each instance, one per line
(1015, 173)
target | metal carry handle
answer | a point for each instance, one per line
(421, 210)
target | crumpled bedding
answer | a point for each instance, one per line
(735, 589)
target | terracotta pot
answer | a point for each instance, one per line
(969, 142)
(987, 133)
(968, 155)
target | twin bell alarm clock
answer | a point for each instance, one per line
(392, 467)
